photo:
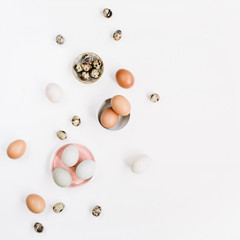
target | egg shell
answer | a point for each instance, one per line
(109, 118)
(121, 105)
(62, 177)
(35, 203)
(141, 164)
(54, 92)
(16, 149)
(86, 169)
(70, 156)
(124, 78)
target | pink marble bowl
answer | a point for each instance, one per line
(84, 154)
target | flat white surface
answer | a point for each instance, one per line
(187, 51)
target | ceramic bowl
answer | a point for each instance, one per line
(84, 154)
(122, 121)
(79, 59)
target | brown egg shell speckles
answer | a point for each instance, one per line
(62, 135)
(76, 121)
(154, 97)
(58, 207)
(117, 35)
(38, 227)
(97, 211)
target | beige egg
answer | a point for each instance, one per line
(16, 149)
(109, 118)
(120, 105)
(35, 203)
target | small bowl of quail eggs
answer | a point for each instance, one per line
(72, 165)
(88, 67)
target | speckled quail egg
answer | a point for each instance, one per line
(84, 75)
(96, 211)
(117, 35)
(87, 59)
(38, 227)
(94, 73)
(78, 67)
(58, 207)
(76, 121)
(107, 13)
(61, 134)
(86, 66)
(97, 64)
(60, 39)
(154, 97)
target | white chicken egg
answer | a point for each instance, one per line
(54, 92)
(62, 177)
(86, 169)
(70, 156)
(141, 164)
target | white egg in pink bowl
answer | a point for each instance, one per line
(73, 165)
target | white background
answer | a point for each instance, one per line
(187, 51)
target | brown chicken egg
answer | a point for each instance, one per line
(120, 105)
(16, 149)
(109, 118)
(35, 203)
(125, 78)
